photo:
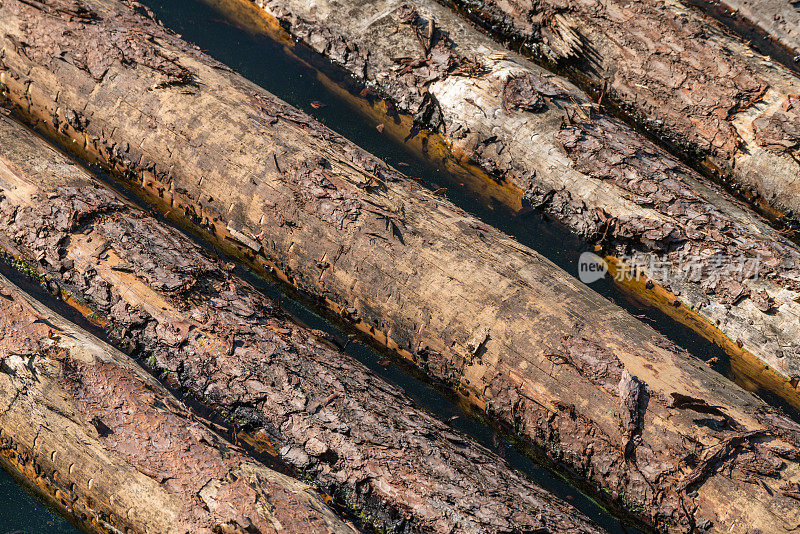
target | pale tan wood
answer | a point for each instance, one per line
(113, 449)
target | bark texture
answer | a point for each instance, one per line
(472, 307)
(354, 435)
(113, 448)
(602, 179)
(678, 74)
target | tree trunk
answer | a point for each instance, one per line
(681, 77)
(524, 340)
(591, 172)
(778, 19)
(159, 295)
(114, 450)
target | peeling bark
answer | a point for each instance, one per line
(630, 391)
(114, 450)
(354, 435)
(780, 131)
(676, 73)
(402, 263)
(540, 134)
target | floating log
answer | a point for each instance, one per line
(285, 391)
(515, 335)
(117, 452)
(606, 182)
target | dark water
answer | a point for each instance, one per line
(21, 512)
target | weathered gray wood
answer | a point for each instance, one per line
(537, 349)
(351, 433)
(109, 445)
(595, 174)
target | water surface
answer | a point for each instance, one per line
(21, 512)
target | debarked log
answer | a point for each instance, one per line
(542, 136)
(524, 340)
(286, 390)
(112, 448)
(679, 75)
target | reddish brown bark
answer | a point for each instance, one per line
(117, 452)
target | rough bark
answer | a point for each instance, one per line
(540, 351)
(593, 173)
(679, 75)
(116, 451)
(354, 435)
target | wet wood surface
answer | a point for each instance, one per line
(524, 340)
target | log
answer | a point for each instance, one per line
(778, 20)
(492, 319)
(117, 452)
(287, 392)
(679, 75)
(599, 177)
